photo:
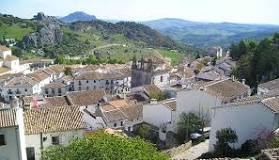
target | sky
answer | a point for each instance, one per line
(239, 11)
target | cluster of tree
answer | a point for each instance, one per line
(189, 123)
(257, 62)
(146, 132)
(61, 59)
(102, 145)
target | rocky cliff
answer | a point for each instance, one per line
(49, 32)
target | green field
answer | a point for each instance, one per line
(14, 31)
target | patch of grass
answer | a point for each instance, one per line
(175, 57)
(14, 31)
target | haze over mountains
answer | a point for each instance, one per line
(200, 34)
(205, 34)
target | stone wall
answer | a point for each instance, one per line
(180, 149)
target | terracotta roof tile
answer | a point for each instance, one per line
(7, 118)
(271, 85)
(55, 85)
(85, 98)
(4, 48)
(227, 89)
(47, 120)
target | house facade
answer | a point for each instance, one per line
(43, 129)
(19, 86)
(161, 114)
(12, 140)
(250, 118)
(201, 98)
(112, 81)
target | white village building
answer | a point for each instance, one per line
(250, 118)
(162, 115)
(116, 114)
(47, 127)
(10, 63)
(112, 80)
(19, 86)
(12, 140)
(200, 99)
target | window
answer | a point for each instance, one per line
(25, 90)
(2, 140)
(94, 81)
(121, 123)
(59, 90)
(30, 151)
(46, 91)
(52, 91)
(87, 81)
(79, 82)
(115, 124)
(161, 79)
(55, 140)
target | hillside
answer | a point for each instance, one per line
(210, 34)
(77, 16)
(121, 40)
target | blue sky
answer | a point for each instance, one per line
(241, 11)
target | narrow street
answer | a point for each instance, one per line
(194, 152)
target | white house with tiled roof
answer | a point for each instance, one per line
(162, 115)
(19, 86)
(112, 80)
(117, 114)
(47, 127)
(10, 63)
(201, 98)
(12, 140)
(250, 118)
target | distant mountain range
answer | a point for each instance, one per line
(204, 34)
(78, 16)
(200, 34)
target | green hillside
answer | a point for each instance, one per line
(118, 42)
(12, 27)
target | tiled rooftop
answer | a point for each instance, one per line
(57, 119)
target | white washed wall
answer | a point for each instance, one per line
(156, 114)
(65, 137)
(247, 120)
(195, 101)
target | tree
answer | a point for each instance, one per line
(158, 96)
(60, 59)
(102, 145)
(188, 123)
(225, 137)
(17, 52)
(250, 147)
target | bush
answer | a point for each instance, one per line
(101, 145)
(224, 138)
(250, 147)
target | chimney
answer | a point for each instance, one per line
(243, 81)
(233, 78)
(153, 101)
(14, 102)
